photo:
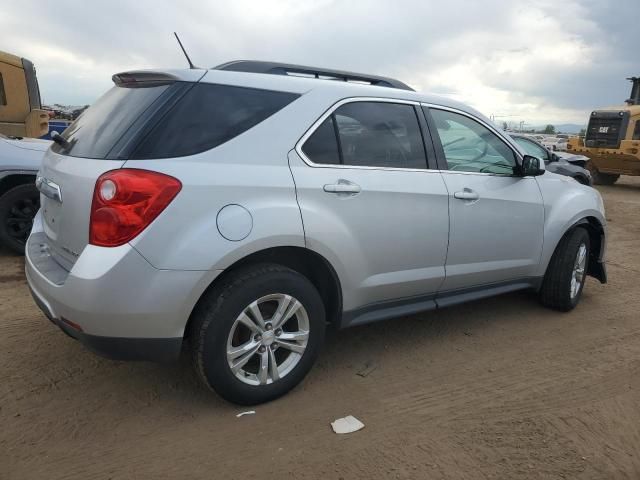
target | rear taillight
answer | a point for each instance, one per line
(125, 202)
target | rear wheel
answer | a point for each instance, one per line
(567, 271)
(18, 207)
(257, 335)
(600, 178)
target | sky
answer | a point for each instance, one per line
(534, 61)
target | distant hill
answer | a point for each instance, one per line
(564, 127)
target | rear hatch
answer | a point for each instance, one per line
(147, 115)
(97, 142)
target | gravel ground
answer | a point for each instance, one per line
(500, 388)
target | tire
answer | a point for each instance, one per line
(18, 206)
(582, 180)
(557, 290)
(600, 178)
(216, 328)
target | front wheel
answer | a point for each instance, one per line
(567, 271)
(18, 207)
(257, 335)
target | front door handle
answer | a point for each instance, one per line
(342, 186)
(466, 194)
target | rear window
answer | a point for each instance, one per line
(206, 116)
(95, 132)
(210, 115)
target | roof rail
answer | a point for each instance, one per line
(274, 68)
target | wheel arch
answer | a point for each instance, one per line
(597, 240)
(581, 178)
(9, 180)
(304, 261)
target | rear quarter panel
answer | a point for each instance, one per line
(250, 170)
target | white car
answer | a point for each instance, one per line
(555, 144)
(20, 159)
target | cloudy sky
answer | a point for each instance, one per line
(538, 61)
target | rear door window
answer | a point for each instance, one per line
(322, 145)
(369, 134)
(207, 116)
(377, 134)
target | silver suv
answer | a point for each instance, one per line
(240, 210)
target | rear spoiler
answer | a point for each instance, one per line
(143, 79)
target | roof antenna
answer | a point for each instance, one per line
(191, 65)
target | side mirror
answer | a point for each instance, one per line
(531, 166)
(553, 157)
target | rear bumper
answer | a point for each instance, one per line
(121, 305)
(118, 348)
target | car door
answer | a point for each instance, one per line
(370, 204)
(496, 216)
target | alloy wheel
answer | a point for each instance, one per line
(579, 266)
(267, 340)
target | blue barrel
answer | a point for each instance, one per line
(56, 125)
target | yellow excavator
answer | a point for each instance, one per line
(612, 140)
(21, 113)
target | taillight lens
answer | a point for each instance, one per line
(125, 202)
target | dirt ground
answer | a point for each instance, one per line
(500, 388)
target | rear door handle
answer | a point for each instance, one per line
(466, 194)
(342, 186)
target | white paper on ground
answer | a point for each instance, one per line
(347, 424)
(250, 412)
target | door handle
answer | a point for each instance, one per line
(342, 186)
(466, 194)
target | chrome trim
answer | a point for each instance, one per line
(507, 175)
(310, 131)
(48, 188)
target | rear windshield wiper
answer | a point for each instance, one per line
(60, 140)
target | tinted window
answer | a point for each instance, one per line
(3, 97)
(532, 148)
(377, 134)
(636, 131)
(471, 147)
(322, 145)
(207, 116)
(99, 127)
